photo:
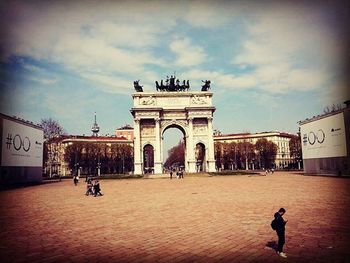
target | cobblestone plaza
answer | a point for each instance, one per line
(195, 219)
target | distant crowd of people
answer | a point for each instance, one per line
(93, 187)
(270, 171)
(179, 174)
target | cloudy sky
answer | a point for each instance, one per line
(271, 63)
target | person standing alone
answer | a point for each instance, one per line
(280, 226)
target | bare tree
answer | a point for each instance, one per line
(296, 150)
(326, 110)
(176, 155)
(51, 128)
(245, 151)
(267, 151)
(218, 154)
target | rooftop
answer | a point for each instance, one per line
(89, 138)
(260, 134)
(126, 127)
(22, 121)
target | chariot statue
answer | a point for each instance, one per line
(173, 84)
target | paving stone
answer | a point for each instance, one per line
(196, 219)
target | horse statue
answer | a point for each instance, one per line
(187, 86)
(160, 87)
(137, 86)
(184, 86)
(206, 85)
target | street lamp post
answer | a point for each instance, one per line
(98, 166)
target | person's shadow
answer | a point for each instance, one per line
(272, 244)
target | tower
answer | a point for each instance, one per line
(95, 128)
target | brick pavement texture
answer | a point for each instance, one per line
(208, 219)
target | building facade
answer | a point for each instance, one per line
(126, 132)
(325, 143)
(281, 139)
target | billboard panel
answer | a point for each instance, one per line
(324, 138)
(21, 145)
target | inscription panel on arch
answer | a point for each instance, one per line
(175, 114)
(172, 101)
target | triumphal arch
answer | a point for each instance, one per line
(173, 105)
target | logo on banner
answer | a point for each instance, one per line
(313, 137)
(18, 142)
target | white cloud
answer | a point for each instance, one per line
(290, 49)
(128, 34)
(31, 68)
(110, 84)
(44, 81)
(209, 14)
(87, 38)
(221, 80)
(187, 53)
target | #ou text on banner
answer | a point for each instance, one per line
(21, 145)
(324, 138)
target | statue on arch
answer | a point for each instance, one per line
(206, 85)
(172, 84)
(137, 86)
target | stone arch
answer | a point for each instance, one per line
(190, 112)
(147, 142)
(174, 125)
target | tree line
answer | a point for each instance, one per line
(261, 155)
(240, 155)
(231, 156)
(116, 158)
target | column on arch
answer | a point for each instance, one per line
(191, 162)
(137, 149)
(211, 156)
(157, 151)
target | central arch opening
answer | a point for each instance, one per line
(174, 149)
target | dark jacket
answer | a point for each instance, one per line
(97, 187)
(280, 223)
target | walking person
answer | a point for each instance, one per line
(171, 174)
(279, 224)
(75, 180)
(89, 187)
(97, 189)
